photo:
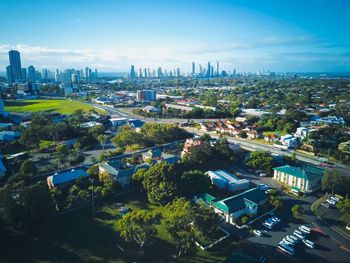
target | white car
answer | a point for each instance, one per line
(276, 219)
(335, 199)
(331, 202)
(263, 174)
(298, 234)
(257, 232)
(305, 229)
(309, 243)
(267, 225)
(296, 240)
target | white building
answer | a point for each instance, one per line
(289, 140)
(302, 132)
(223, 179)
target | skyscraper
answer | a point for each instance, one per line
(208, 70)
(132, 72)
(14, 70)
(193, 69)
(217, 69)
(15, 63)
(31, 74)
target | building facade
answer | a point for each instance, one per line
(299, 179)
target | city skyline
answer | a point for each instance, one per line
(111, 36)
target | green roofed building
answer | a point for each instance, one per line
(120, 171)
(233, 207)
(300, 179)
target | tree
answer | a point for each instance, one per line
(261, 160)
(205, 137)
(206, 220)
(139, 226)
(29, 138)
(334, 181)
(27, 168)
(275, 201)
(61, 153)
(23, 205)
(160, 183)
(192, 182)
(77, 148)
(244, 220)
(102, 139)
(178, 218)
(297, 211)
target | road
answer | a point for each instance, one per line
(246, 144)
(124, 114)
(253, 146)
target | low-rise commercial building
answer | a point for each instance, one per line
(299, 179)
(223, 179)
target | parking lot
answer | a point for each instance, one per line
(327, 248)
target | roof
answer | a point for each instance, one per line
(207, 198)
(308, 172)
(115, 169)
(228, 177)
(153, 153)
(60, 178)
(237, 202)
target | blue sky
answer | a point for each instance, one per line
(288, 35)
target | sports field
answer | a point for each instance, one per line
(60, 106)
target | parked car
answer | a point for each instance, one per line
(296, 240)
(327, 164)
(268, 225)
(298, 234)
(331, 202)
(305, 229)
(257, 232)
(263, 187)
(309, 243)
(263, 174)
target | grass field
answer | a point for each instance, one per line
(77, 237)
(60, 106)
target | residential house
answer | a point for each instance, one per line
(120, 171)
(151, 109)
(89, 124)
(302, 132)
(223, 179)
(190, 143)
(207, 127)
(60, 179)
(233, 207)
(271, 138)
(252, 134)
(154, 156)
(300, 179)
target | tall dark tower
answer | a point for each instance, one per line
(132, 72)
(15, 65)
(217, 69)
(193, 69)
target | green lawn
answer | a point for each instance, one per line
(60, 106)
(77, 237)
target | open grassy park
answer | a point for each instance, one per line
(79, 237)
(60, 106)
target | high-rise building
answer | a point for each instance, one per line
(178, 73)
(193, 69)
(132, 72)
(24, 74)
(87, 74)
(45, 74)
(217, 69)
(15, 63)
(208, 70)
(140, 73)
(159, 72)
(146, 95)
(145, 73)
(9, 75)
(31, 74)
